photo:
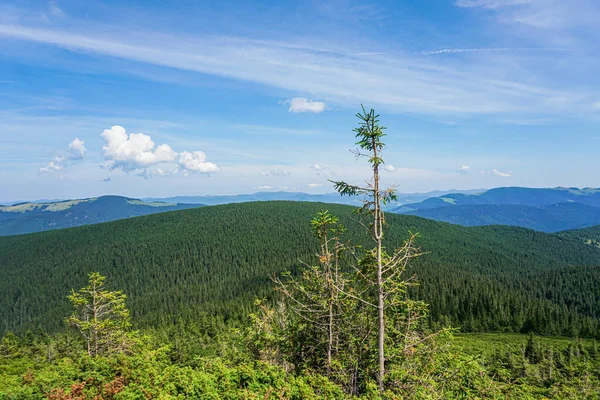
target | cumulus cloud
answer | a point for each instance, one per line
(196, 162)
(302, 104)
(264, 187)
(137, 153)
(389, 168)
(133, 152)
(314, 185)
(501, 174)
(464, 169)
(75, 151)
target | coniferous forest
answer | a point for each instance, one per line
(300, 300)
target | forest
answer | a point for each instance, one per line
(216, 260)
(294, 300)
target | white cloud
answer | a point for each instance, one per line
(502, 174)
(264, 187)
(491, 50)
(302, 104)
(389, 168)
(314, 185)
(136, 153)
(275, 172)
(76, 149)
(464, 169)
(51, 167)
(321, 170)
(541, 14)
(400, 82)
(491, 3)
(133, 152)
(196, 162)
(55, 9)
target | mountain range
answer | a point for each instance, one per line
(39, 216)
(42, 215)
(548, 210)
(334, 198)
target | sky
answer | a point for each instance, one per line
(148, 98)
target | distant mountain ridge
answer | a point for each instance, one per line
(300, 196)
(42, 215)
(548, 210)
(35, 217)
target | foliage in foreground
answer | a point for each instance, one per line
(58, 367)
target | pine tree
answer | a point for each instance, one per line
(389, 282)
(100, 316)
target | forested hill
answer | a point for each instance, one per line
(590, 236)
(35, 217)
(179, 266)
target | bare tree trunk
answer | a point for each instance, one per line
(95, 324)
(377, 227)
(330, 338)
(381, 319)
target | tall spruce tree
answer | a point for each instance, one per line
(389, 283)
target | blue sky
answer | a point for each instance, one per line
(238, 96)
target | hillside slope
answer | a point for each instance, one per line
(180, 265)
(590, 236)
(35, 217)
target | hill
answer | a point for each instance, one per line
(181, 265)
(35, 217)
(552, 218)
(589, 236)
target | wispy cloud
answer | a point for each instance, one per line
(541, 14)
(398, 83)
(275, 172)
(492, 50)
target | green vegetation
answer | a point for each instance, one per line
(589, 236)
(487, 366)
(348, 320)
(216, 260)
